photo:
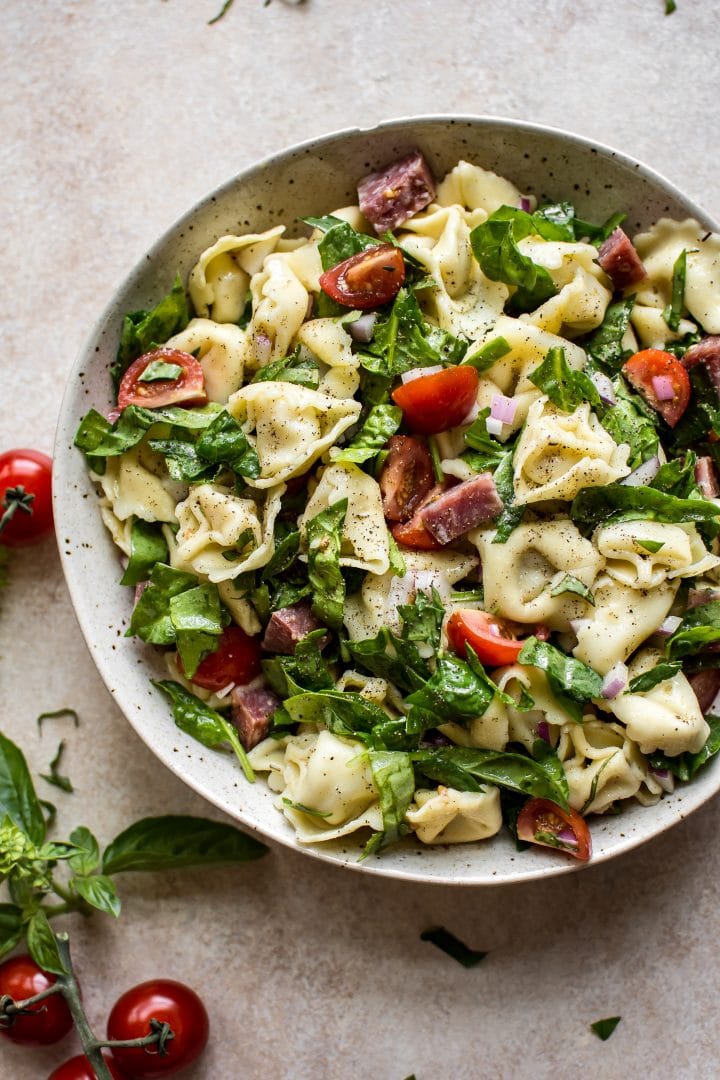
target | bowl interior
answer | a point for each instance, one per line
(315, 178)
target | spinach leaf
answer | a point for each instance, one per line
(200, 722)
(391, 657)
(605, 344)
(468, 770)
(175, 841)
(143, 330)
(597, 234)
(422, 620)
(381, 422)
(198, 620)
(556, 221)
(512, 514)
(566, 388)
(572, 682)
(18, 800)
(394, 779)
(341, 242)
(494, 244)
(684, 766)
(484, 357)
(677, 477)
(182, 459)
(673, 312)
(306, 668)
(97, 438)
(299, 368)
(324, 540)
(454, 947)
(404, 340)
(489, 452)
(158, 369)
(151, 620)
(700, 627)
(604, 1028)
(666, 669)
(286, 551)
(570, 584)
(225, 443)
(701, 416)
(594, 505)
(453, 693)
(147, 547)
(342, 712)
(627, 421)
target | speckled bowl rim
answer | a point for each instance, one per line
(69, 491)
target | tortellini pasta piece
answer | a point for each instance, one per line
(212, 521)
(293, 426)
(365, 542)
(582, 300)
(659, 248)
(523, 725)
(476, 188)
(136, 484)
(680, 552)
(219, 349)
(667, 717)
(560, 453)
(330, 342)
(447, 816)
(621, 620)
(520, 574)
(487, 732)
(602, 765)
(219, 280)
(280, 304)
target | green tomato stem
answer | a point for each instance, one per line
(71, 992)
(15, 499)
(9, 1008)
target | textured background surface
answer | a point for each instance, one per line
(116, 118)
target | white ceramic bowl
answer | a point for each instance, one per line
(313, 178)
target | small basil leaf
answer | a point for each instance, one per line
(453, 946)
(18, 799)
(11, 927)
(175, 841)
(98, 891)
(42, 945)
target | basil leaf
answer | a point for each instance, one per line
(511, 515)
(17, 795)
(174, 841)
(423, 619)
(604, 1028)
(182, 460)
(605, 343)
(673, 312)
(298, 368)
(666, 669)
(700, 627)
(147, 547)
(484, 357)
(11, 928)
(381, 422)
(225, 443)
(98, 891)
(454, 947)
(98, 438)
(390, 657)
(566, 388)
(404, 340)
(467, 770)
(158, 369)
(627, 422)
(283, 557)
(198, 620)
(198, 721)
(42, 945)
(454, 692)
(141, 330)
(572, 682)
(494, 244)
(394, 779)
(594, 505)
(54, 777)
(342, 712)
(324, 539)
(341, 242)
(570, 584)
(87, 857)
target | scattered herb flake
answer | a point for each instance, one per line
(458, 950)
(604, 1028)
(56, 715)
(54, 777)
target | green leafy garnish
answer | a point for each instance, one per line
(422, 620)
(454, 947)
(298, 368)
(494, 245)
(381, 422)
(605, 344)
(54, 777)
(98, 438)
(653, 546)
(666, 669)
(566, 388)
(324, 541)
(630, 421)
(147, 547)
(394, 779)
(158, 369)
(572, 682)
(468, 770)
(206, 725)
(594, 505)
(673, 312)
(404, 340)
(604, 1028)
(684, 766)
(570, 584)
(484, 357)
(700, 627)
(142, 330)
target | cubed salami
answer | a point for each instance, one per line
(706, 685)
(251, 712)
(396, 192)
(287, 627)
(706, 477)
(462, 508)
(620, 260)
(706, 352)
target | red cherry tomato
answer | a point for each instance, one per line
(187, 389)
(491, 638)
(643, 367)
(236, 660)
(169, 1002)
(366, 280)
(406, 477)
(412, 533)
(434, 403)
(79, 1068)
(45, 1023)
(25, 497)
(543, 822)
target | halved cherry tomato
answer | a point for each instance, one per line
(25, 497)
(434, 403)
(406, 477)
(544, 822)
(366, 280)
(187, 389)
(491, 638)
(643, 367)
(42, 1024)
(412, 533)
(236, 660)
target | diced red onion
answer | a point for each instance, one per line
(615, 680)
(494, 427)
(503, 408)
(665, 779)
(603, 385)
(114, 415)
(543, 731)
(643, 474)
(263, 349)
(140, 589)
(669, 626)
(225, 690)
(525, 204)
(663, 387)
(568, 837)
(702, 596)
(363, 328)
(420, 372)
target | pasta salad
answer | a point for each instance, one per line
(422, 509)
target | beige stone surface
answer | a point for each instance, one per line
(115, 118)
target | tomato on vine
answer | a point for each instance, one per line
(25, 497)
(44, 1023)
(79, 1068)
(164, 1001)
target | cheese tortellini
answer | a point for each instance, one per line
(622, 618)
(643, 554)
(659, 248)
(365, 541)
(447, 816)
(219, 349)
(602, 766)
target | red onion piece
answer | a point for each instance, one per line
(263, 349)
(503, 408)
(363, 328)
(525, 204)
(543, 731)
(567, 836)
(493, 426)
(665, 779)
(603, 385)
(615, 681)
(669, 625)
(663, 387)
(643, 474)
(419, 372)
(702, 596)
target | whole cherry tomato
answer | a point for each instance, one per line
(435, 403)
(25, 497)
(366, 280)
(545, 823)
(44, 1023)
(168, 1002)
(186, 387)
(79, 1068)
(644, 367)
(236, 660)
(491, 638)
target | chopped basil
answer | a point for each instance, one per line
(391, 657)
(306, 809)
(304, 670)
(591, 506)
(299, 367)
(484, 357)
(158, 369)
(673, 312)
(141, 330)
(454, 692)
(454, 947)
(494, 244)
(604, 1028)
(381, 423)
(324, 539)
(224, 442)
(397, 560)
(630, 421)
(404, 340)
(666, 669)
(342, 712)
(200, 722)
(570, 584)
(512, 514)
(286, 551)
(566, 388)
(54, 777)
(423, 619)
(147, 547)
(652, 546)
(605, 344)
(97, 438)
(572, 682)
(436, 460)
